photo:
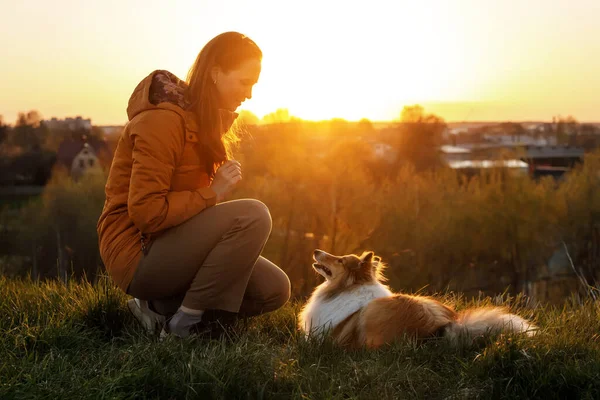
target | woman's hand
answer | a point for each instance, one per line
(226, 177)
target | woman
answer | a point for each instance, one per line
(165, 235)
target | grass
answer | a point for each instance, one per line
(79, 342)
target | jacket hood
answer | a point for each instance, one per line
(164, 90)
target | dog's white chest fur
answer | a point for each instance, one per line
(321, 314)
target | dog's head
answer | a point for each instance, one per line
(349, 269)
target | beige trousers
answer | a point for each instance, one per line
(212, 262)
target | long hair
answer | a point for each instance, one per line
(227, 51)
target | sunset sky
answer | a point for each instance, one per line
(461, 59)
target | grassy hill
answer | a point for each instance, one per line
(79, 341)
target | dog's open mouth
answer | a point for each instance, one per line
(322, 268)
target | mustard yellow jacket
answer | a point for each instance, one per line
(157, 178)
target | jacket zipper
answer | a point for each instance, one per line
(143, 242)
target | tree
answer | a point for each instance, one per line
(365, 126)
(32, 118)
(3, 130)
(29, 132)
(419, 136)
(246, 117)
(280, 115)
(340, 128)
(566, 130)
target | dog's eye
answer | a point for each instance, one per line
(340, 261)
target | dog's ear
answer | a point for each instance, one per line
(366, 258)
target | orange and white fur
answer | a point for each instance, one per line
(358, 310)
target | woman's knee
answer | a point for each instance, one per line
(259, 213)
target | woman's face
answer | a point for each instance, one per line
(235, 86)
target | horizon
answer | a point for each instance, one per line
(469, 61)
(427, 110)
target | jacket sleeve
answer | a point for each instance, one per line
(157, 141)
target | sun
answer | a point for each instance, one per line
(358, 67)
(356, 79)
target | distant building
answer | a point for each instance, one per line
(71, 124)
(83, 156)
(521, 139)
(111, 129)
(454, 153)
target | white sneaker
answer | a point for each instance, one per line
(182, 325)
(150, 320)
(164, 334)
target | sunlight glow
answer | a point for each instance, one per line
(463, 59)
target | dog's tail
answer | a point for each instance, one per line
(475, 322)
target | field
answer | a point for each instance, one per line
(79, 341)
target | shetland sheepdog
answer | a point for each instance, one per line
(357, 309)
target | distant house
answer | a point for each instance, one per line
(536, 160)
(83, 156)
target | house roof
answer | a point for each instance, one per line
(488, 164)
(69, 148)
(454, 149)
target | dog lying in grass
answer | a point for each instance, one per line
(357, 309)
